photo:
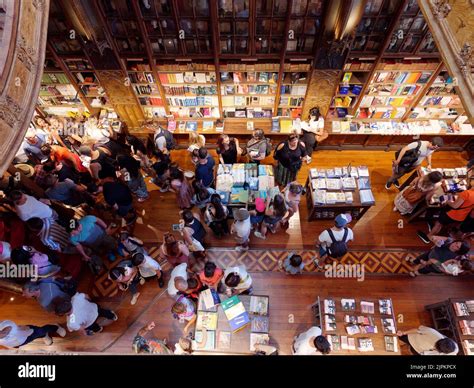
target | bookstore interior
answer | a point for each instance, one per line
(237, 177)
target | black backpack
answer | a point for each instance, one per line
(269, 148)
(337, 248)
(170, 143)
(410, 157)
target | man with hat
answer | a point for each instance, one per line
(338, 233)
(241, 229)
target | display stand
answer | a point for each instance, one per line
(378, 339)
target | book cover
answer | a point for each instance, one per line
(259, 305)
(210, 298)
(275, 124)
(234, 311)
(347, 77)
(191, 126)
(207, 125)
(206, 320)
(367, 307)
(171, 125)
(223, 339)
(391, 343)
(239, 322)
(348, 304)
(210, 340)
(232, 301)
(258, 338)
(259, 324)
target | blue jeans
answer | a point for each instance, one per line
(138, 187)
(322, 252)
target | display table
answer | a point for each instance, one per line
(331, 317)
(241, 183)
(451, 176)
(447, 318)
(330, 192)
(224, 340)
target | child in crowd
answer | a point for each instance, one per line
(293, 264)
(293, 193)
(148, 267)
(129, 244)
(257, 215)
(184, 309)
(241, 229)
(211, 275)
(127, 277)
(236, 280)
(193, 289)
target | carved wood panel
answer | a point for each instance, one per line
(320, 91)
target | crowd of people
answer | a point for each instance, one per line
(102, 173)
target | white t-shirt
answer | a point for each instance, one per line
(245, 279)
(16, 337)
(5, 251)
(149, 267)
(242, 228)
(160, 142)
(302, 345)
(424, 150)
(33, 208)
(84, 313)
(178, 271)
(325, 239)
(313, 125)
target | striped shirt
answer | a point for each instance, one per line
(53, 235)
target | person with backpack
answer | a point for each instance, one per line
(163, 140)
(289, 154)
(205, 168)
(411, 156)
(333, 241)
(258, 147)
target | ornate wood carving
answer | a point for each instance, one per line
(20, 77)
(320, 91)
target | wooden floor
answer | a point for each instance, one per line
(288, 295)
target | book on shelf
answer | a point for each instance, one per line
(365, 345)
(347, 77)
(334, 342)
(366, 197)
(461, 309)
(250, 125)
(391, 344)
(206, 320)
(352, 319)
(347, 343)
(329, 306)
(259, 305)
(467, 327)
(352, 329)
(348, 304)
(469, 346)
(367, 307)
(224, 339)
(258, 339)
(330, 322)
(388, 325)
(191, 126)
(210, 343)
(259, 324)
(207, 125)
(275, 124)
(385, 306)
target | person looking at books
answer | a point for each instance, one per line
(313, 131)
(202, 195)
(311, 342)
(422, 188)
(257, 146)
(216, 215)
(412, 156)
(289, 155)
(184, 309)
(426, 341)
(333, 241)
(241, 229)
(228, 149)
(445, 249)
(205, 168)
(141, 344)
(196, 141)
(292, 192)
(236, 280)
(181, 187)
(211, 275)
(131, 174)
(174, 251)
(161, 169)
(193, 231)
(178, 279)
(275, 212)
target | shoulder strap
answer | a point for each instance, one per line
(331, 235)
(346, 232)
(417, 149)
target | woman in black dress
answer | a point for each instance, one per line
(228, 149)
(290, 155)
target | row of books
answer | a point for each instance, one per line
(372, 101)
(154, 112)
(366, 307)
(78, 64)
(401, 77)
(58, 90)
(337, 184)
(349, 343)
(295, 90)
(339, 172)
(187, 77)
(248, 113)
(388, 112)
(190, 90)
(152, 101)
(146, 89)
(397, 128)
(140, 67)
(464, 309)
(193, 101)
(189, 125)
(251, 76)
(255, 67)
(58, 101)
(342, 102)
(91, 90)
(186, 112)
(291, 112)
(346, 89)
(54, 78)
(467, 327)
(441, 100)
(396, 90)
(247, 101)
(187, 67)
(358, 66)
(292, 101)
(406, 65)
(141, 77)
(232, 89)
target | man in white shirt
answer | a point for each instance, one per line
(82, 314)
(14, 336)
(28, 207)
(160, 140)
(178, 279)
(311, 342)
(338, 231)
(148, 267)
(428, 342)
(236, 280)
(426, 149)
(241, 229)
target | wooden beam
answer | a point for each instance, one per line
(214, 18)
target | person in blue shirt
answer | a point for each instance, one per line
(205, 168)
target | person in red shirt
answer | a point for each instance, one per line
(211, 275)
(58, 154)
